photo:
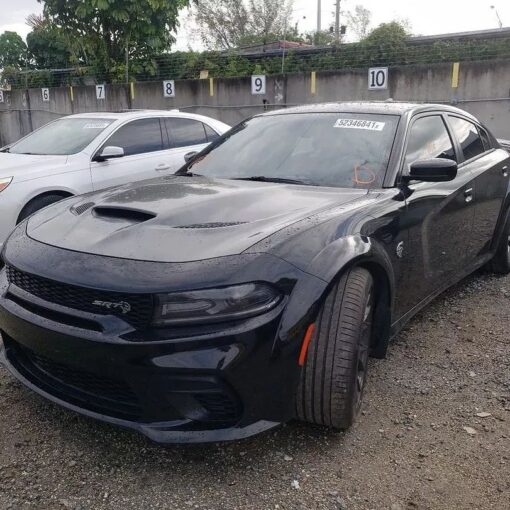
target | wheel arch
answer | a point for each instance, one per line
(60, 192)
(368, 254)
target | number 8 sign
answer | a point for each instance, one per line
(169, 88)
(258, 85)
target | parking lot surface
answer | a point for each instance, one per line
(434, 434)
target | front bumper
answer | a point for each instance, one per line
(198, 389)
(225, 382)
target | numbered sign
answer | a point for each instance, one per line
(169, 88)
(45, 94)
(1, 96)
(258, 85)
(100, 91)
(378, 78)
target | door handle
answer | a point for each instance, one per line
(468, 195)
(162, 167)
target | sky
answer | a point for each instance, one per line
(426, 17)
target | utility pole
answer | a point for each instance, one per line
(319, 16)
(337, 22)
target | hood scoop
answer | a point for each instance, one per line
(124, 214)
(211, 225)
(80, 209)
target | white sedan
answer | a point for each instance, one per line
(90, 151)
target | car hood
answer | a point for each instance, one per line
(22, 165)
(180, 219)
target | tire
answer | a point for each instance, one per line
(333, 378)
(36, 204)
(500, 264)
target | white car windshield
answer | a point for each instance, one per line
(62, 137)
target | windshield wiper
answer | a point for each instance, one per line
(263, 178)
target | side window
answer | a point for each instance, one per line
(138, 137)
(468, 136)
(184, 132)
(487, 143)
(428, 139)
(211, 134)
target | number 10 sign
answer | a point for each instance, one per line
(378, 78)
(258, 85)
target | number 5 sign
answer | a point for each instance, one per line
(378, 78)
(258, 85)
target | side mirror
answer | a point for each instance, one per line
(110, 152)
(432, 170)
(191, 155)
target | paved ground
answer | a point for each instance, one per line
(420, 443)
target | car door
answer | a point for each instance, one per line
(144, 154)
(185, 136)
(490, 170)
(439, 216)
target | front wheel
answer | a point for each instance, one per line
(500, 264)
(333, 378)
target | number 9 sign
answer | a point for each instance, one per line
(258, 85)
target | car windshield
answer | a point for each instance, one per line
(62, 137)
(349, 150)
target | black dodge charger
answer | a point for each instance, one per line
(251, 287)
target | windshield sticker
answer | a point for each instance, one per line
(370, 125)
(96, 125)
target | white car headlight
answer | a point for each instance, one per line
(4, 182)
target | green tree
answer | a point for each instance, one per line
(386, 44)
(322, 38)
(49, 47)
(228, 24)
(13, 50)
(110, 30)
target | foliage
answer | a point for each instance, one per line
(387, 45)
(49, 47)
(227, 24)
(107, 29)
(322, 38)
(358, 21)
(12, 50)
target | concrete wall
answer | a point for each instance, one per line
(484, 90)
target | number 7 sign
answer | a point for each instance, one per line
(100, 92)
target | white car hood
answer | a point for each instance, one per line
(25, 166)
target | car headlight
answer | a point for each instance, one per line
(215, 305)
(4, 182)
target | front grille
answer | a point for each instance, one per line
(84, 381)
(78, 387)
(138, 313)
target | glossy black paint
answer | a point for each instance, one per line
(184, 233)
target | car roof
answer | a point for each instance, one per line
(373, 107)
(134, 114)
